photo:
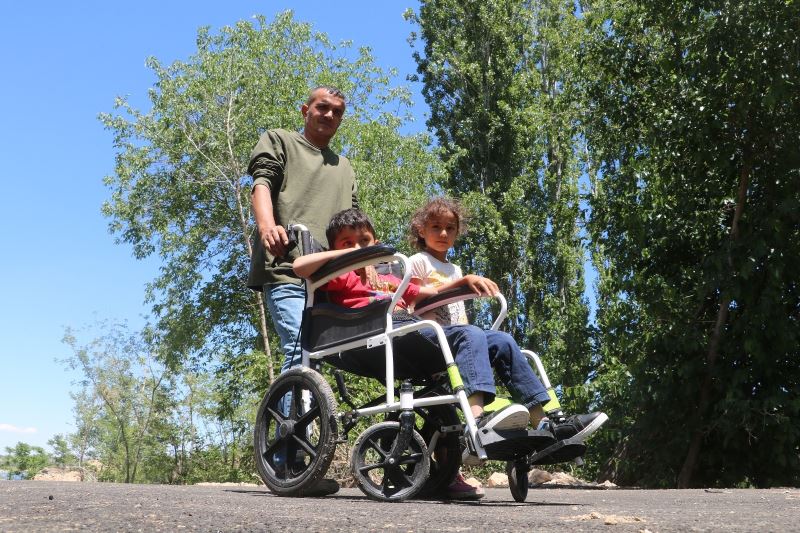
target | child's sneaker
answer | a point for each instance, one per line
(576, 426)
(459, 489)
(514, 416)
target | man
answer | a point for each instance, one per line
(297, 178)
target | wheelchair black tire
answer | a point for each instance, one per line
(518, 480)
(317, 452)
(405, 478)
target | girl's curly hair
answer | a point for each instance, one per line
(435, 206)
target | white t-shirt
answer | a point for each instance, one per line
(435, 273)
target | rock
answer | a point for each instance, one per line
(537, 477)
(561, 478)
(497, 480)
(473, 481)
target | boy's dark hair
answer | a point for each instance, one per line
(349, 218)
(435, 206)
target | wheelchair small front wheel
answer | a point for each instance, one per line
(295, 432)
(518, 480)
(383, 477)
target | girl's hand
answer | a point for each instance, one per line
(480, 285)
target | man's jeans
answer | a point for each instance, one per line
(286, 303)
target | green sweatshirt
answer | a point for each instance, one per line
(307, 186)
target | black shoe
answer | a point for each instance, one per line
(323, 487)
(577, 426)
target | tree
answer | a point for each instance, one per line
(179, 189)
(61, 453)
(129, 393)
(497, 77)
(25, 460)
(692, 128)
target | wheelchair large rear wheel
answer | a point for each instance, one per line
(382, 477)
(295, 437)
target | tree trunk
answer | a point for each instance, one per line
(259, 301)
(696, 444)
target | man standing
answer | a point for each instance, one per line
(296, 179)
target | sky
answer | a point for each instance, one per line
(62, 63)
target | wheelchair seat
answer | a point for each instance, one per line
(326, 325)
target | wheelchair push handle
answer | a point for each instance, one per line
(300, 234)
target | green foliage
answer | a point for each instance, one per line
(126, 394)
(692, 128)
(139, 421)
(497, 76)
(24, 460)
(61, 454)
(179, 188)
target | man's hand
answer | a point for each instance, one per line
(480, 285)
(275, 240)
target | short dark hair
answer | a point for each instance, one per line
(349, 218)
(330, 90)
(435, 206)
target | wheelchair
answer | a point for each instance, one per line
(418, 447)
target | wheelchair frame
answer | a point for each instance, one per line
(398, 443)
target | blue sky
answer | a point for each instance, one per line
(62, 65)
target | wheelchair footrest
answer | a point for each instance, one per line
(560, 452)
(514, 444)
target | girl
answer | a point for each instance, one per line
(434, 230)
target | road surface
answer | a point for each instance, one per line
(63, 506)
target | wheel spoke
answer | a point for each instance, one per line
(293, 405)
(308, 417)
(386, 488)
(398, 477)
(366, 468)
(307, 447)
(411, 459)
(277, 415)
(271, 448)
(376, 446)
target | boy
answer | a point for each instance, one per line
(475, 351)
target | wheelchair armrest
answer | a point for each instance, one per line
(355, 257)
(449, 296)
(460, 294)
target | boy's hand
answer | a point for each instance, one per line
(480, 285)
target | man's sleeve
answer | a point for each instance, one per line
(354, 196)
(267, 161)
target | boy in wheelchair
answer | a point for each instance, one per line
(476, 351)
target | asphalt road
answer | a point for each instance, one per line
(62, 506)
